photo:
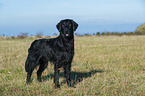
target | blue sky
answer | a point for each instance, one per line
(35, 16)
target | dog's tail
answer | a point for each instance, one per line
(27, 65)
(31, 63)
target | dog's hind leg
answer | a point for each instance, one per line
(29, 69)
(28, 80)
(30, 65)
(43, 64)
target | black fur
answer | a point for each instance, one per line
(59, 51)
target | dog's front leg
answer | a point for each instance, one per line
(67, 71)
(56, 76)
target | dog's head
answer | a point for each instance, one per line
(67, 27)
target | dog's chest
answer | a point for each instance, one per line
(64, 56)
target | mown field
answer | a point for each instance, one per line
(108, 65)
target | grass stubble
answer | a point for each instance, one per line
(108, 65)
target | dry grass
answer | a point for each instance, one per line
(101, 66)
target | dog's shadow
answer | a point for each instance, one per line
(76, 77)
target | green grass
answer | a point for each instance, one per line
(107, 65)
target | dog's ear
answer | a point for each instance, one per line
(75, 25)
(58, 26)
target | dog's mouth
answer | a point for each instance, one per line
(67, 34)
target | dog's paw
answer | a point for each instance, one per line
(39, 79)
(71, 85)
(57, 86)
(28, 81)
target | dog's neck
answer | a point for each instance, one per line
(66, 39)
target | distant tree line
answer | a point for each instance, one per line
(140, 30)
(107, 34)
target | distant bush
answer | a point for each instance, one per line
(130, 33)
(117, 34)
(77, 34)
(86, 34)
(55, 34)
(140, 30)
(102, 33)
(107, 33)
(13, 37)
(2, 35)
(22, 35)
(98, 33)
(39, 35)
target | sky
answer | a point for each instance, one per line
(35, 16)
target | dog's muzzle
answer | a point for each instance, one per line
(66, 32)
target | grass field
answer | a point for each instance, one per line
(106, 65)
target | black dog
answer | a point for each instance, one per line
(59, 51)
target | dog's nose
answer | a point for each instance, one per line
(66, 30)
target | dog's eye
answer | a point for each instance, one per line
(62, 25)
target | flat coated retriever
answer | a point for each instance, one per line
(59, 51)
